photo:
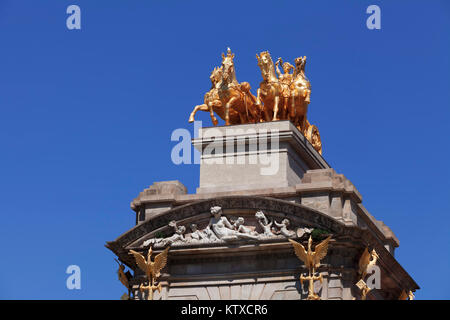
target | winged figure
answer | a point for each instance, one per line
(309, 257)
(312, 261)
(367, 260)
(124, 277)
(151, 268)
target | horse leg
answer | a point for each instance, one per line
(202, 107)
(297, 123)
(266, 113)
(254, 111)
(242, 118)
(258, 97)
(227, 110)
(304, 126)
(275, 108)
(285, 108)
(292, 111)
(304, 129)
(211, 112)
(308, 96)
(264, 108)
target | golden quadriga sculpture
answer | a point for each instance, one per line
(280, 96)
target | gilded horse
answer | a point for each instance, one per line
(269, 91)
(301, 93)
(236, 96)
(212, 101)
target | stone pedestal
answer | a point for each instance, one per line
(254, 156)
(303, 190)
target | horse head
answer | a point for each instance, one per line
(300, 64)
(265, 63)
(216, 75)
(228, 72)
(300, 79)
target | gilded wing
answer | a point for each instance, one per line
(364, 261)
(123, 279)
(403, 296)
(321, 251)
(140, 260)
(160, 262)
(121, 274)
(300, 251)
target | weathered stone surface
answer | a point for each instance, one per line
(306, 191)
(241, 161)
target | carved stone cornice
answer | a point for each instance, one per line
(298, 214)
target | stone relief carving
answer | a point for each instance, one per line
(197, 234)
(240, 227)
(264, 223)
(224, 229)
(178, 236)
(284, 228)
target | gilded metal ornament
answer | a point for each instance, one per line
(312, 262)
(124, 277)
(235, 95)
(406, 296)
(281, 95)
(361, 284)
(152, 269)
(366, 261)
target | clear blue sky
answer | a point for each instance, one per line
(86, 118)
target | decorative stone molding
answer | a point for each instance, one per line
(296, 213)
(223, 229)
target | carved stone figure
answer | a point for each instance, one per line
(210, 235)
(222, 227)
(302, 231)
(239, 226)
(177, 236)
(197, 234)
(283, 228)
(264, 223)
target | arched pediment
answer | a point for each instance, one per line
(199, 213)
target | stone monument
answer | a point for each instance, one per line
(270, 219)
